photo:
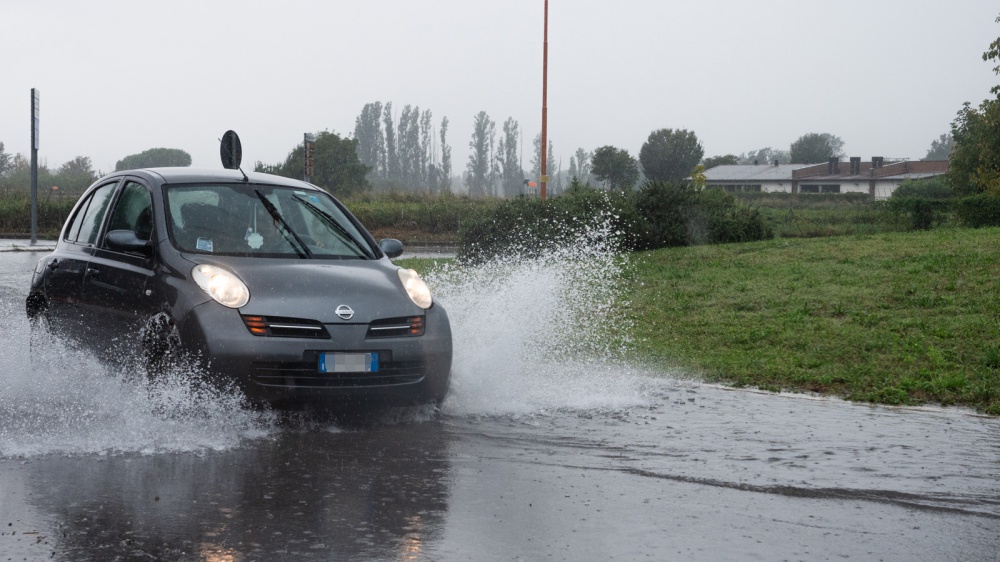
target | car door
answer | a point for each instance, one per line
(115, 285)
(65, 268)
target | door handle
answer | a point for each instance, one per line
(91, 272)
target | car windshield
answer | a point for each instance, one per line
(263, 221)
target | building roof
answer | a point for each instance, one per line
(752, 173)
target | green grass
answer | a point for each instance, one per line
(897, 318)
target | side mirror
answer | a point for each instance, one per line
(392, 247)
(127, 241)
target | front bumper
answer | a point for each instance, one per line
(278, 370)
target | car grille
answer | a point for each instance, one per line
(396, 327)
(281, 327)
(304, 374)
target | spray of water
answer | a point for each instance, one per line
(544, 333)
(57, 399)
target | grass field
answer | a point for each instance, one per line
(898, 318)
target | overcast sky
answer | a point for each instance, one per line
(117, 78)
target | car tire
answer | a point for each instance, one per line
(161, 344)
(39, 331)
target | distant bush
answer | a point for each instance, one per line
(783, 200)
(978, 210)
(15, 216)
(918, 204)
(660, 214)
(527, 227)
(676, 214)
(917, 213)
(434, 214)
(930, 188)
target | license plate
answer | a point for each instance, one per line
(348, 362)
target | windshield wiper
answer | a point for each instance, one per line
(298, 245)
(336, 225)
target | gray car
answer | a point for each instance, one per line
(266, 282)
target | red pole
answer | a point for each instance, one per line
(545, 85)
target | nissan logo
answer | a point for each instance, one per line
(345, 312)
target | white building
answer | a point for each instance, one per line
(876, 178)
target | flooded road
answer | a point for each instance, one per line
(534, 456)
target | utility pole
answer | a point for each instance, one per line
(34, 165)
(545, 90)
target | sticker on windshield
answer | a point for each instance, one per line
(255, 240)
(204, 245)
(311, 198)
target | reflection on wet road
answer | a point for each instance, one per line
(571, 461)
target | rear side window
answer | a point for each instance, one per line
(87, 222)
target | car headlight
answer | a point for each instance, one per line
(419, 292)
(221, 285)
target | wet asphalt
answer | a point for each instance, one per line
(688, 472)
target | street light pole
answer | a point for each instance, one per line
(545, 85)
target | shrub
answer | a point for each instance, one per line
(979, 210)
(676, 214)
(917, 213)
(930, 188)
(665, 209)
(528, 226)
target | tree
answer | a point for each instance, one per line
(993, 54)
(478, 167)
(76, 175)
(155, 158)
(408, 145)
(371, 142)
(579, 166)
(392, 174)
(425, 157)
(511, 174)
(974, 162)
(940, 148)
(765, 155)
(813, 148)
(670, 155)
(6, 161)
(445, 157)
(727, 160)
(615, 167)
(336, 168)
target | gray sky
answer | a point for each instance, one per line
(120, 77)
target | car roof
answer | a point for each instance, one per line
(196, 175)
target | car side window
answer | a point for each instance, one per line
(133, 211)
(87, 222)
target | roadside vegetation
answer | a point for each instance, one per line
(897, 318)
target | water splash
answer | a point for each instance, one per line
(56, 399)
(541, 333)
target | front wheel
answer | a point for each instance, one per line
(161, 344)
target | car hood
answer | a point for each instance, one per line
(314, 290)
